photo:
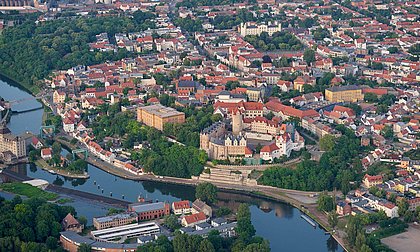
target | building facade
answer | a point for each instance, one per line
(252, 28)
(9, 142)
(115, 220)
(157, 115)
(150, 211)
(350, 93)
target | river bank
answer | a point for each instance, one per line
(32, 89)
(292, 197)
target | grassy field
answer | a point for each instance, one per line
(27, 190)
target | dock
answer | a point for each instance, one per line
(308, 220)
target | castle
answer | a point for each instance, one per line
(220, 144)
(280, 139)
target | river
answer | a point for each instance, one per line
(278, 222)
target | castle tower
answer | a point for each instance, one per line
(237, 122)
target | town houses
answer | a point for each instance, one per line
(243, 90)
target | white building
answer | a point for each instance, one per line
(252, 28)
(283, 145)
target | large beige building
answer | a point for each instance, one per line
(115, 220)
(11, 143)
(350, 93)
(252, 28)
(157, 115)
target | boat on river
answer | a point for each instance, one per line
(309, 220)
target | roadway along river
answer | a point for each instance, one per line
(280, 223)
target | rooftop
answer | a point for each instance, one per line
(141, 207)
(161, 111)
(116, 217)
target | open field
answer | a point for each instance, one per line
(408, 241)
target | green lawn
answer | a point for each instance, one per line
(27, 190)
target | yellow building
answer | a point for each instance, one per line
(350, 93)
(9, 142)
(157, 115)
(59, 97)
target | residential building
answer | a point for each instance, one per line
(36, 143)
(70, 223)
(46, 153)
(157, 115)
(200, 206)
(370, 181)
(59, 96)
(343, 208)
(181, 207)
(193, 219)
(283, 146)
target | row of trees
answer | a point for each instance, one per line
(30, 225)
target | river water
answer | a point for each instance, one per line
(280, 223)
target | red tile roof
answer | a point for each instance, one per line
(195, 218)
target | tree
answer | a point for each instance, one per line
(270, 115)
(393, 49)
(402, 206)
(387, 132)
(333, 219)
(82, 220)
(415, 51)
(180, 242)
(244, 227)
(371, 97)
(206, 246)
(84, 248)
(51, 242)
(360, 240)
(325, 202)
(206, 192)
(258, 247)
(327, 142)
(56, 148)
(365, 248)
(309, 56)
(223, 211)
(171, 221)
